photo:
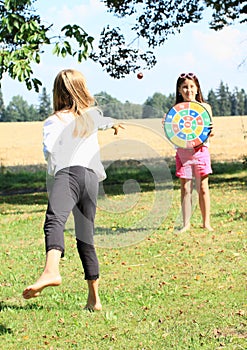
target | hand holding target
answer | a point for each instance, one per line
(188, 124)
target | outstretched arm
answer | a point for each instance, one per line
(116, 127)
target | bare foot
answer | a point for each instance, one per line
(93, 300)
(46, 280)
(93, 306)
(184, 229)
(209, 228)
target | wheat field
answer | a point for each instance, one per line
(21, 143)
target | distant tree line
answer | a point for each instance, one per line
(18, 110)
(223, 101)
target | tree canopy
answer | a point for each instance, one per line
(23, 34)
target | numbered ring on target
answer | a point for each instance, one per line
(187, 124)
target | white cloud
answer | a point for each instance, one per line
(225, 46)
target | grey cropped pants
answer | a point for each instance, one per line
(75, 190)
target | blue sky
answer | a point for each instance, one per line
(212, 56)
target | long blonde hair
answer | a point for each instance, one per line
(71, 94)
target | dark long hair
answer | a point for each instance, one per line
(180, 81)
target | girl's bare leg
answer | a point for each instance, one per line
(93, 301)
(49, 277)
(204, 201)
(186, 202)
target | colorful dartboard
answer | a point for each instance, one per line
(187, 124)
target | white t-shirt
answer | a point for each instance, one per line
(62, 149)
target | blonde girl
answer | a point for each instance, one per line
(71, 150)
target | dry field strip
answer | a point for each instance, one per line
(21, 143)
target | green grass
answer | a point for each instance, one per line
(166, 291)
(22, 179)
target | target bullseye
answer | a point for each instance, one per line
(187, 124)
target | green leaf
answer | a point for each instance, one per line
(16, 24)
(56, 49)
(68, 47)
(90, 39)
(36, 83)
(63, 52)
(37, 58)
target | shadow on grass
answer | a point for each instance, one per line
(28, 185)
(10, 306)
(5, 330)
(234, 215)
(109, 231)
(25, 199)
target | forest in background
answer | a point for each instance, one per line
(223, 101)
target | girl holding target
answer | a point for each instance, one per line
(193, 162)
(72, 152)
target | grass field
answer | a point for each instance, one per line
(163, 290)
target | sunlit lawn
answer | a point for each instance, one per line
(163, 291)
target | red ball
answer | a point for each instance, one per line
(140, 75)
